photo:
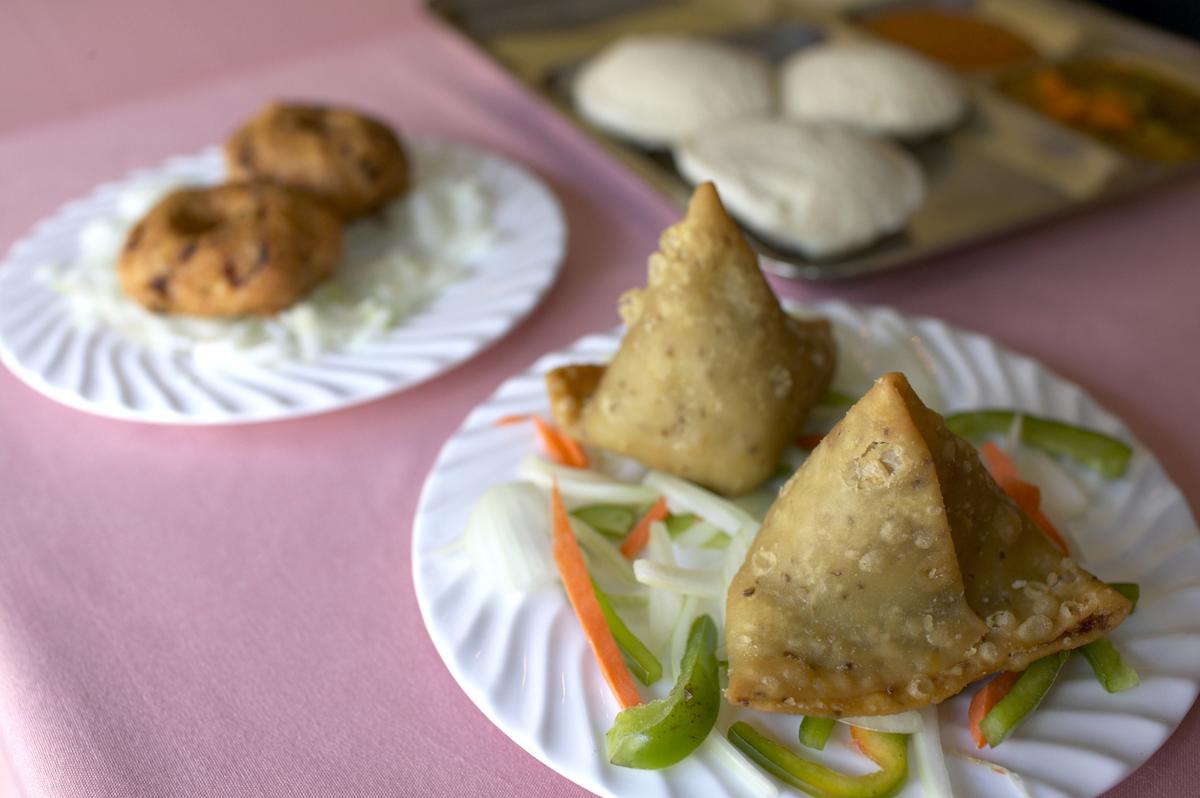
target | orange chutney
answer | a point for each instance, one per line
(956, 38)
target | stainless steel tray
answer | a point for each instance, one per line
(1006, 167)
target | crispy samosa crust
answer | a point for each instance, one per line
(712, 380)
(892, 572)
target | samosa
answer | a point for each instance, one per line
(713, 379)
(892, 571)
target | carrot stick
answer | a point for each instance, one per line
(507, 421)
(982, 702)
(1050, 530)
(635, 541)
(578, 584)
(809, 442)
(1000, 464)
(559, 446)
(1026, 495)
(550, 441)
(577, 458)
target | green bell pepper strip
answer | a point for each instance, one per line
(641, 660)
(717, 541)
(889, 751)
(1111, 669)
(610, 520)
(663, 732)
(1090, 448)
(678, 524)
(814, 732)
(1129, 590)
(1026, 693)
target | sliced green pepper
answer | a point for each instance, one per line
(717, 541)
(678, 524)
(814, 732)
(1026, 693)
(611, 520)
(1111, 669)
(641, 660)
(1129, 590)
(889, 751)
(1088, 447)
(661, 733)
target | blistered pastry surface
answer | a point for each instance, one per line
(892, 572)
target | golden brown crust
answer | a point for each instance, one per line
(712, 380)
(892, 571)
(229, 250)
(569, 388)
(353, 162)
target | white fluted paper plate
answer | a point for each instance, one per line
(100, 371)
(523, 660)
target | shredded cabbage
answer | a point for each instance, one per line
(697, 535)
(683, 495)
(664, 605)
(582, 485)
(1063, 495)
(394, 264)
(722, 756)
(1018, 783)
(929, 757)
(605, 563)
(679, 635)
(508, 537)
(700, 582)
(899, 723)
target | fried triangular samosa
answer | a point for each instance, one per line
(712, 380)
(892, 572)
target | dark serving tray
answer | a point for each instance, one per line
(1006, 167)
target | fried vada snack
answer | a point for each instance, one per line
(712, 380)
(231, 250)
(892, 572)
(353, 162)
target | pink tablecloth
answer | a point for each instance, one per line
(229, 611)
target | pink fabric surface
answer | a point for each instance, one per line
(230, 611)
(64, 56)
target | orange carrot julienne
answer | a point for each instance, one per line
(506, 421)
(1033, 509)
(1026, 495)
(550, 441)
(577, 457)
(982, 702)
(998, 462)
(635, 541)
(559, 446)
(573, 571)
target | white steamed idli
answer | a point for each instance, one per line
(659, 89)
(820, 189)
(873, 87)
